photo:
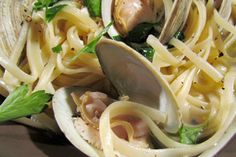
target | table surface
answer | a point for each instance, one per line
(20, 141)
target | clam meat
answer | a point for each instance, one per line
(127, 14)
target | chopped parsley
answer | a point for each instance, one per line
(51, 10)
(144, 49)
(94, 7)
(57, 49)
(190, 135)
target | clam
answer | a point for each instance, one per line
(133, 77)
(176, 21)
(14, 15)
(128, 14)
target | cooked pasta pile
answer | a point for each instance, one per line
(39, 66)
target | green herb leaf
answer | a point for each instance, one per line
(117, 38)
(140, 32)
(40, 4)
(57, 49)
(189, 135)
(53, 2)
(144, 49)
(52, 11)
(91, 47)
(20, 104)
(94, 7)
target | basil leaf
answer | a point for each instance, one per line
(91, 47)
(20, 104)
(144, 49)
(57, 49)
(94, 7)
(189, 135)
(52, 11)
(140, 32)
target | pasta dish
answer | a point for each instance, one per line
(126, 78)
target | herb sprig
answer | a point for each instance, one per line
(190, 135)
(94, 7)
(91, 47)
(20, 103)
(51, 10)
(57, 49)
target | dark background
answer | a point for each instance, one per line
(20, 141)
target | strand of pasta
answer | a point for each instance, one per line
(46, 74)
(227, 96)
(158, 62)
(73, 39)
(225, 9)
(201, 23)
(33, 51)
(6, 88)
(183, 93)
(104, 124)
(229, 40)
(218, 41)
(15, 70)
(178, 82)
(223, 23)
(198, 61)
(15, 55)
(162, 50)
(229, 133)
(196, 101)
(110, 142)
(70, 71)
(78, 18)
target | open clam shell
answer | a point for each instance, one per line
(64, 109)
(133, 76)
(14, 15)
(176, 21)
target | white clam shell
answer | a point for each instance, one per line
(64, 109)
